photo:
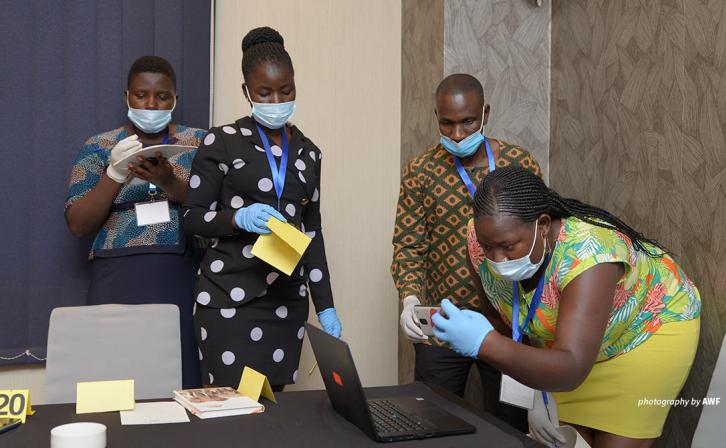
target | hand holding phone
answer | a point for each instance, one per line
(423, 316)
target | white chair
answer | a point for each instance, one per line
(711, 429)
(114, 342)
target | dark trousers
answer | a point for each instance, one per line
(446, 368)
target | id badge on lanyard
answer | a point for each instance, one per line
(153, 211)
(465, 176)
(278, 173)
(512, 391)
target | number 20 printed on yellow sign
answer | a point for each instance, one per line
(15, 404)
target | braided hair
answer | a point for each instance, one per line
(263, 45)
(518, 192)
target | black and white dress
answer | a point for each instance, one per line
(247, 312)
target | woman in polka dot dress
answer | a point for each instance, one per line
(247, 312)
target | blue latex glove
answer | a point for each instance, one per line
(330, 322)
(254, 218)
(463, 330)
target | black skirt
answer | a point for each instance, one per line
(265, 333)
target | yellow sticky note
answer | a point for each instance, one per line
(253, 384)
(15, 404)
(104, 396)
(282, 248)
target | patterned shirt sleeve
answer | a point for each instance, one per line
(87, 171)
(205, 185)
(410, 241)
(315, 261)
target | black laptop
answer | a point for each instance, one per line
(386, 419)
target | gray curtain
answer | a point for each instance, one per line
(64, 68)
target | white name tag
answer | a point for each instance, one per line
(515, 393)
(148, 213)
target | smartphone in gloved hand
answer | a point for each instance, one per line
(423, 316)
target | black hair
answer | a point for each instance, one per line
(151, 64)
(263, 45)
(460, 83)
(518, 192)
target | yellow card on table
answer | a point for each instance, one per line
(104, 396)
(253, 384)
(15, 404)
(282, 248)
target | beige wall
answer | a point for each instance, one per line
(347, 58)
(638, 128)
(506, 45)
(422, 66)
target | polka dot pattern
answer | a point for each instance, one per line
(247, 251)
(281, 312)
(290, 209)
(204, 298)
(211, 378)
(278, 355)
(276, 151)
(302, 178)
(238, 163)
(213, 205)
(299, 164)
(228, 358)
(316, 195)
(223, 168)
(264, 184)
(209, 216)
(311, 234)
(228, 313)
(216, 266)
(294, 376)
(203, 332)
(237, 294)
(244, 131)
(256, 334)
(316, 275)
(303, 291)
(259, 149)
(194, 181)
(229, 130)
(237, 202)
(301, 333)
(271, 277)
(209, 139)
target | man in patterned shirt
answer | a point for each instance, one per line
(429, 255)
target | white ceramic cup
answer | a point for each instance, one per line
(78, 435)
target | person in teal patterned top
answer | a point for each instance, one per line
(577, 303)
(132, 263)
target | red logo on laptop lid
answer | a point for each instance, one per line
(338, 380)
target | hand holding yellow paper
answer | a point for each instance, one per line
(282, 248)
(253, 383)
(15, 404)
(104, 396)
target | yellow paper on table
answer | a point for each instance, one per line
(104, 396)
(15, 404)
(253, 384)
(282, 248)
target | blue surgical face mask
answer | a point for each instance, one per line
(272, 115)
(148, 120)
(521, 268)
(467, 146)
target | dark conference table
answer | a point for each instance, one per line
(299, 419)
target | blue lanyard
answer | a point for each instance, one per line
(278, 173)
(465, 176)
(516, 331)
(152, 187)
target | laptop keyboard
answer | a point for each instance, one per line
(388, 418)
